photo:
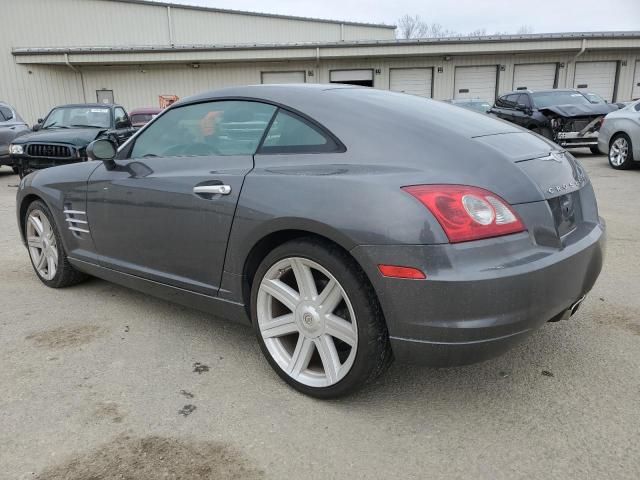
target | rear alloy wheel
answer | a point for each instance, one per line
(317, 319)
(620, 152)
(46, 251)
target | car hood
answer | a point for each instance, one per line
(77, 137)
(579, 110)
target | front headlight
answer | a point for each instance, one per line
(16, 149)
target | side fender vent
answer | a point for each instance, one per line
(76, 221)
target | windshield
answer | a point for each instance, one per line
(594, 97)
(548, 99)
(69, 117)
(483, 107)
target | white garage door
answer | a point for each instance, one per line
(475, 82)
(538, 76)
(597, 77)
(338, 76)
(415, 81)
(635, 93)
(283, 77)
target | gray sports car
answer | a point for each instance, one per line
(347, 225)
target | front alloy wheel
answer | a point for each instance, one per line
(42, 244)
(317, 319)
(620, 153)
(45, 247)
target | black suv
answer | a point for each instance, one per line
(565, 116)
(62, 137)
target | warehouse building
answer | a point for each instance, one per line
(133, 51)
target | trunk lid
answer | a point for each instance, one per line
(554, 171)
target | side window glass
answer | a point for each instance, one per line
(292, 134)
(120, 115)
(523, 100)
(511, 100)
(637, 107)
(213, 128)
(5, 114)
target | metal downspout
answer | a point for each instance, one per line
(573, 60)
(66, 60)
(170, 26)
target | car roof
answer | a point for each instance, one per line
(368, 120)
(94, 105)
(548, 90)
(145, 110)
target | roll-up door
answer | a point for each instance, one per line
(538, 76)
(283, 77)
(596, 77)
(415, 81)
(362, 77)
(475, 82)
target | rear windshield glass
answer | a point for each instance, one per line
(548, 99)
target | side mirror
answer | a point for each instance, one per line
(36, 127)
(123, 124)
(102, 149)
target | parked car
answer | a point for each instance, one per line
(62, 137)
(565, 116)
(620, 137)
(353, 226)
(476, 105)
(141, 116)
(11, 126)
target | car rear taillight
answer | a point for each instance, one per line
(467, 213)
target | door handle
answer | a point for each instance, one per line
(212, 189)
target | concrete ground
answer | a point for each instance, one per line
(99, 382)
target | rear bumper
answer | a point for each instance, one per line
(479, 298)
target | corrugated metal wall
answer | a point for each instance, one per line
(35, 89)
(138, 78)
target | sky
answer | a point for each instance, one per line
(459, 15)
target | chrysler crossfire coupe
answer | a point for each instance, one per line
(348, 226)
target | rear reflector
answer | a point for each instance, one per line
(395, 271)
(467, 213)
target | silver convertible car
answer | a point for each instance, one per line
(347, 225)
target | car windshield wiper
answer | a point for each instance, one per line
(53, 125)
(86, 126)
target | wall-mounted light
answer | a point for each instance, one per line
(310, 73)
(623, 63)
(561, 65)
(446, 58)
(440, 69)
(378, 71)
(502, 68)
(195, 65)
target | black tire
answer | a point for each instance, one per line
(373, 354)
(65, 275)
(629, 161)
(595, 150)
